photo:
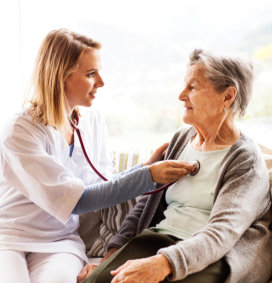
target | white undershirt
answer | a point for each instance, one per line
(190, 199)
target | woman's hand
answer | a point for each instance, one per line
(89, 268)
(157, 155)
(86, 271)
(147, 270)
(168, 171)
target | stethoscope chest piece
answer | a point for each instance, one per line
(196, 165)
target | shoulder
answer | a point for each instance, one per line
(23, 122)
(183, 134)
(179, 140)
(246, 153)
(245, 159)
(92, 125)
(91, 117)
(23, 129)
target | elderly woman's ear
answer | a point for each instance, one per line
(229, 96)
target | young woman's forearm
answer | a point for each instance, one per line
(118, 190)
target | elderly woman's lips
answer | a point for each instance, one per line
(188, 107)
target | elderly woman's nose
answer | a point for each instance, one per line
(183, 95)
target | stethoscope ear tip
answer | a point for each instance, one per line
(196, 165)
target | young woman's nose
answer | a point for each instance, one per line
(99, 82)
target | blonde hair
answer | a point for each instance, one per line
(57, 58)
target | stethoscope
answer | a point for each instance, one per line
(74, 124)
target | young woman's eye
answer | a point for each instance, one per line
(91, 74)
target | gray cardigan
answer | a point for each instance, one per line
(239, 223)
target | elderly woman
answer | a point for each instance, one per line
(211, 227)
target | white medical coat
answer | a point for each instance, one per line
(40, 184)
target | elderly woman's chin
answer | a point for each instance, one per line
(187, 118)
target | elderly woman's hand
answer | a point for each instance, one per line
(147, 270)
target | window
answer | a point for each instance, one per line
(145, 49)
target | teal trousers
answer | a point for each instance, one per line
(147, 244)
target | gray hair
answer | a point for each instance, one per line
(223, 72)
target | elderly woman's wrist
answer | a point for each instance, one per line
(165, 264)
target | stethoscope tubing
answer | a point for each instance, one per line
(104, 178)
(86, 156)
(160, 189)
(99, 174)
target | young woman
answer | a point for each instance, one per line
(45, 179)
